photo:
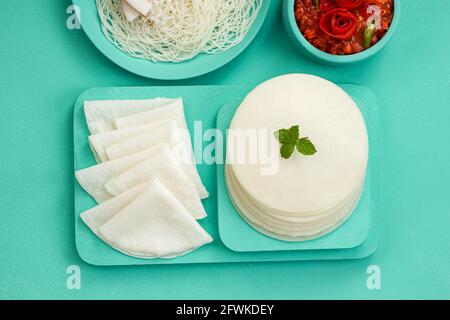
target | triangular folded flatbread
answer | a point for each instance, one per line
(170, 134)
(93, 179)
(141, 6)
(156, 224)
(97, 216)
(134, 115)
(163, 165)
(173, 111)
(101, 141)
(164, 133)
(129, 11)
(100, 114)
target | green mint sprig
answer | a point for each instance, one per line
(290, 140)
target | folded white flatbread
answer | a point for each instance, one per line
(164, 133)
(170, 110)
(93, 178)
(101, 141)
(100, 114)
(107, 115)
(170, 134)
(155, 224)
(141, 6)
(129, 11)
(173, 111)
(162, 165)
(97, 216)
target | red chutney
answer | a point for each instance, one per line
(343, 27)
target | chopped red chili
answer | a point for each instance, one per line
(343, 27)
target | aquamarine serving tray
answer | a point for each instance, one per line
(202, 103)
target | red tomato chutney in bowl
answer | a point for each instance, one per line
(343, 27)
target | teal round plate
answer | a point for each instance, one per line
(201, 64)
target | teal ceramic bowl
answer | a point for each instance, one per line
(317, 55)
(199, 65)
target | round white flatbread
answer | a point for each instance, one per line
(333, 122)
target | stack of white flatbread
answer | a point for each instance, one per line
(146, 181)
(303, 197)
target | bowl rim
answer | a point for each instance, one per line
(341, 59)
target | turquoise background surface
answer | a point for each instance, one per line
(45, 67)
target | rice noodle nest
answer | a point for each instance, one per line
(178, 30)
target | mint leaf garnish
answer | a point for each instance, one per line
(288, 136)
(287, 150)
(290, 140)
(306, 147)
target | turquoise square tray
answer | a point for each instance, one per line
(202, 103)
(238, 235)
